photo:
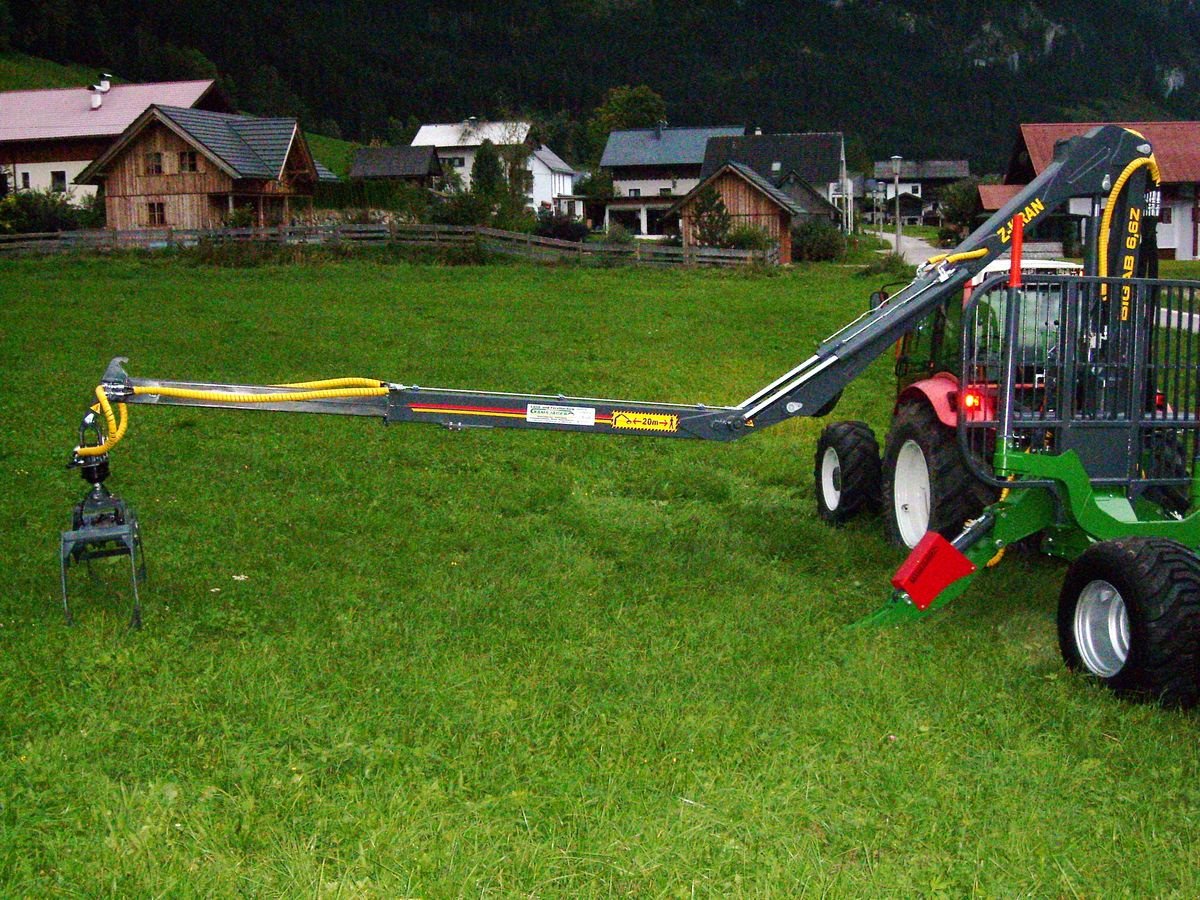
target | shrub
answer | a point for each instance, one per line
(618, 234)
(559, 225)
(35, 211)
(889, 264)
(817, 240)
(711, 218)
(463, 208)
(91, 212)
(241, 217)
(948, 237)
(749, 237)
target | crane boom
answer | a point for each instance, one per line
(1085, 166)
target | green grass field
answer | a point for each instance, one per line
(407, 662)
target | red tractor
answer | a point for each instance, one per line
(921, 481)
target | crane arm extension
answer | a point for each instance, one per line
(1084, 166)
(455, 409)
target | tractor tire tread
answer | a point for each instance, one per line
(858, 457)
(1159, 580)
(957, 494)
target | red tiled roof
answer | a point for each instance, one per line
(67, 112)
(1176, 144)
(994, 196)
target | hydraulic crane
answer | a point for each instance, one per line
(1015, 439)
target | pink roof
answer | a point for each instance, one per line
(67, 112)
(1176, 144)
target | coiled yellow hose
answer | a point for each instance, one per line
(276, 397)
(1106, 219)
(325, 389)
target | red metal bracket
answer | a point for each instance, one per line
(933, 566)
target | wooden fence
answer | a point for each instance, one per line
(508, 243)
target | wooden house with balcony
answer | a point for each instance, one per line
(189, 168)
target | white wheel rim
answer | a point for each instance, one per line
(910, 493)
(831, 479)
(1102, 629)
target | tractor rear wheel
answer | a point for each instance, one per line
(1129, 615)
(926, 483)
(846, 471)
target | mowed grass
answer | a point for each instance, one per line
(408, 662)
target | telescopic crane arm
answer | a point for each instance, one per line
(1090, 165)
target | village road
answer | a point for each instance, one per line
(914, 250)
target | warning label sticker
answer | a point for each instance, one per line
(544, 414)
(644, 421)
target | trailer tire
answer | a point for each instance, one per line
(927, 485)
(846, 472)
(1129, 615)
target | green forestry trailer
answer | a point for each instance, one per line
(1064, 412)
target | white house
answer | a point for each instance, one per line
(457, 144)
(651, 169)
(47, 137)
(552, 182)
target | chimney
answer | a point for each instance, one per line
(105, 83)
(658, 127)
(757, 131)
(97, 97)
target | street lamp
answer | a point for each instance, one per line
(896, 181)
(880, 197)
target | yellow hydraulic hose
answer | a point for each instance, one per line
(333, 383)
(116, 430)
(326, 389)
(956, 257)
(276, 397)
(1106, 219)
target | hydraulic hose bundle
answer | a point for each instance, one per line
(325, 389)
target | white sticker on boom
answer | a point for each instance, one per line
(560, 415)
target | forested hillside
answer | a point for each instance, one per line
(899, 76)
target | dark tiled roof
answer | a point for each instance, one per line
(395, 162)
(780, 197)
(664, 146)
(251, 147)
(816, 157)
(921, 170)
(784, 201)
(244, 146)
(323, 174)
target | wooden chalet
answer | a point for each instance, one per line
(189, 168)
(810, 168)
(48, 137)
(750, 199)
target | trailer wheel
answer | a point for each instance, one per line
(926, 483)
(1129, 615)
(846, 471)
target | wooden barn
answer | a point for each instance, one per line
(751, 200)
(416, 165)
(189, 168)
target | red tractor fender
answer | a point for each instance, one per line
(940, 392)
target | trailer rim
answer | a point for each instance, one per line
(1102, 628)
